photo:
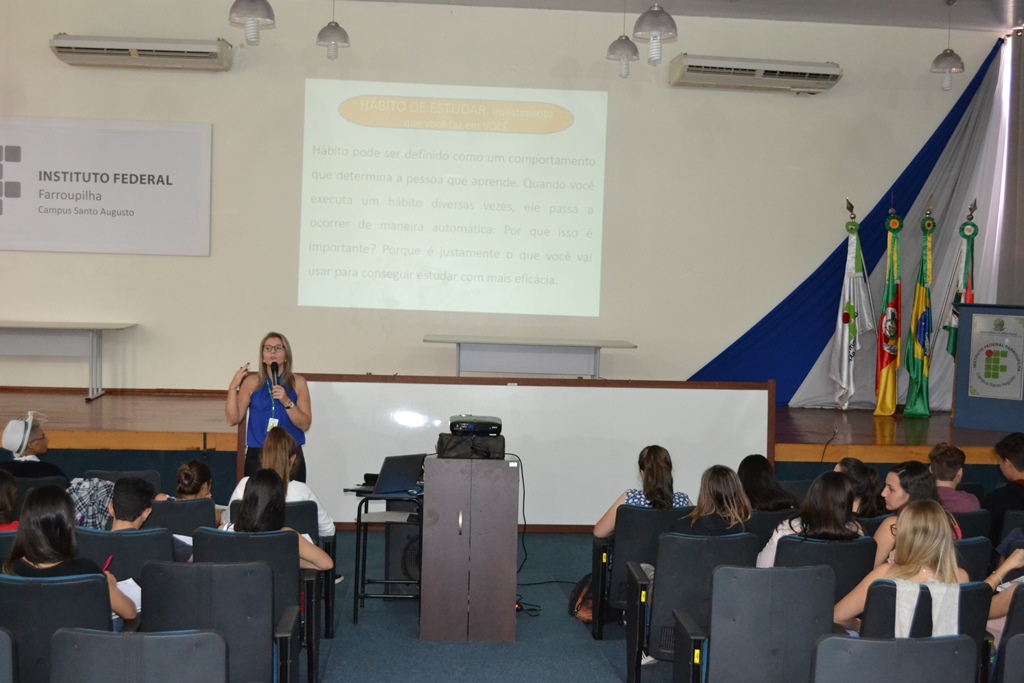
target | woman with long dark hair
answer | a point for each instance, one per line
(263, 509)
(867, 487)
(762, 486)
(905, 483)
(826, 514)
(45, 545)
(722, 506)
(656, 476)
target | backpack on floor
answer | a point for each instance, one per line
(581, 601)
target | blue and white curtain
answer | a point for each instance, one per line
(964, 159)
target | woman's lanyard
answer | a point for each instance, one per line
(272, 422)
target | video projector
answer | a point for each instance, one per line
(472, 436)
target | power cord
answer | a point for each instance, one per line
(522, 536)
(527, 608)
(835, 430)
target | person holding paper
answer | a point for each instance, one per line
(271, 397)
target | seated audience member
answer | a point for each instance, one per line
(722, 506)
(907, 482)
(924, 552)
(130, 503)
(762, 487)
(826, 513)
(263, 509)
(26, 441)
(1010, 496)
(45, 545)
(8, 501)
(195, 480)
(657, 492)
(947, 467)
(279, 453)
(867, 487)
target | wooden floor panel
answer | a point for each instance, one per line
(157, 420)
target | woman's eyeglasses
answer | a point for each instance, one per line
(273, 349)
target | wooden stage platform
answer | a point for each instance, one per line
(194, 420)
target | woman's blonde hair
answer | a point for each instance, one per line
(722, 493)
(278, 449)
(924, 540)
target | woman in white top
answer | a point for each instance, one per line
(827, 513)
(278, 454)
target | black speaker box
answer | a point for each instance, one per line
(402, 552)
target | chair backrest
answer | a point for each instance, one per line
(6, 541)
(871, 524)
(879, 616)
(304, 517)
(224, 598)
(973, 555)
(152, 476)
(127, 550)
(762, 523)
(636, 540)
(1013, 627)
(1012, 519)
(33, 609)
(86, 656)
(850, 560)
(840, 659)
(974, 523)
(1011, 658)
(278, 549)
(798, 487)
(8, 657)
(24, 484)
(182, 516)
(765, 622)
(682, 580)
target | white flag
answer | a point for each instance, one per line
(855, 317)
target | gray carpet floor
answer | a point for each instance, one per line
(550, 645)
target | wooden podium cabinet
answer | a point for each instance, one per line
(468, 576)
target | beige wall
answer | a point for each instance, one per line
(717, 203)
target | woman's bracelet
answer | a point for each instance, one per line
(999, 580)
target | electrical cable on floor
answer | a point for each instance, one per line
(528, 608)
(522, 536)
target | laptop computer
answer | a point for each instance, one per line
(399, 474)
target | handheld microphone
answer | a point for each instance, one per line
(273, 373)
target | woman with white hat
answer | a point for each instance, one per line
(26, 440)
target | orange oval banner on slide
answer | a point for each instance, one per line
(472, 116)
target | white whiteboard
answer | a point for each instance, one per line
(578, 441)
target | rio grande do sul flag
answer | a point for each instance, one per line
(887, 356)
(919, 343)
(854, 318)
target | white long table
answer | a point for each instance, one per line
(62, 339)
(580, 357)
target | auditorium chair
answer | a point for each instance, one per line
(8, 657)
(871, 524)
(128, 551)
(764, 625)
(24, 484)
(280, 550)
(973, 556)
(842, 659)
(635, 540)
(1013, 629)
(235, 600)
(850, 560)
(683, 569)
(85, 656)
(762, 523)
(879, 618)
(182, 517)
(32, 609)
(973, 523)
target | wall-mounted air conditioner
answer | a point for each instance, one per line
(143, 53)
(753, 74)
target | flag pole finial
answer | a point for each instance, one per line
(849, 207)
(971, 209)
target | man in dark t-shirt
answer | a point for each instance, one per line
(26, 440)
(1010, 450)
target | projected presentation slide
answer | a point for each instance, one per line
(445, 198)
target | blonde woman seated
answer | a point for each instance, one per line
(658, 492)
(279, 453)
(263, 508)
(924, 552)
(827, 513)
(722, 507)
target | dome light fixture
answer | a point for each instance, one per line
(655, 25)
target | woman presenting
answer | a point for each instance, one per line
(272, 397)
